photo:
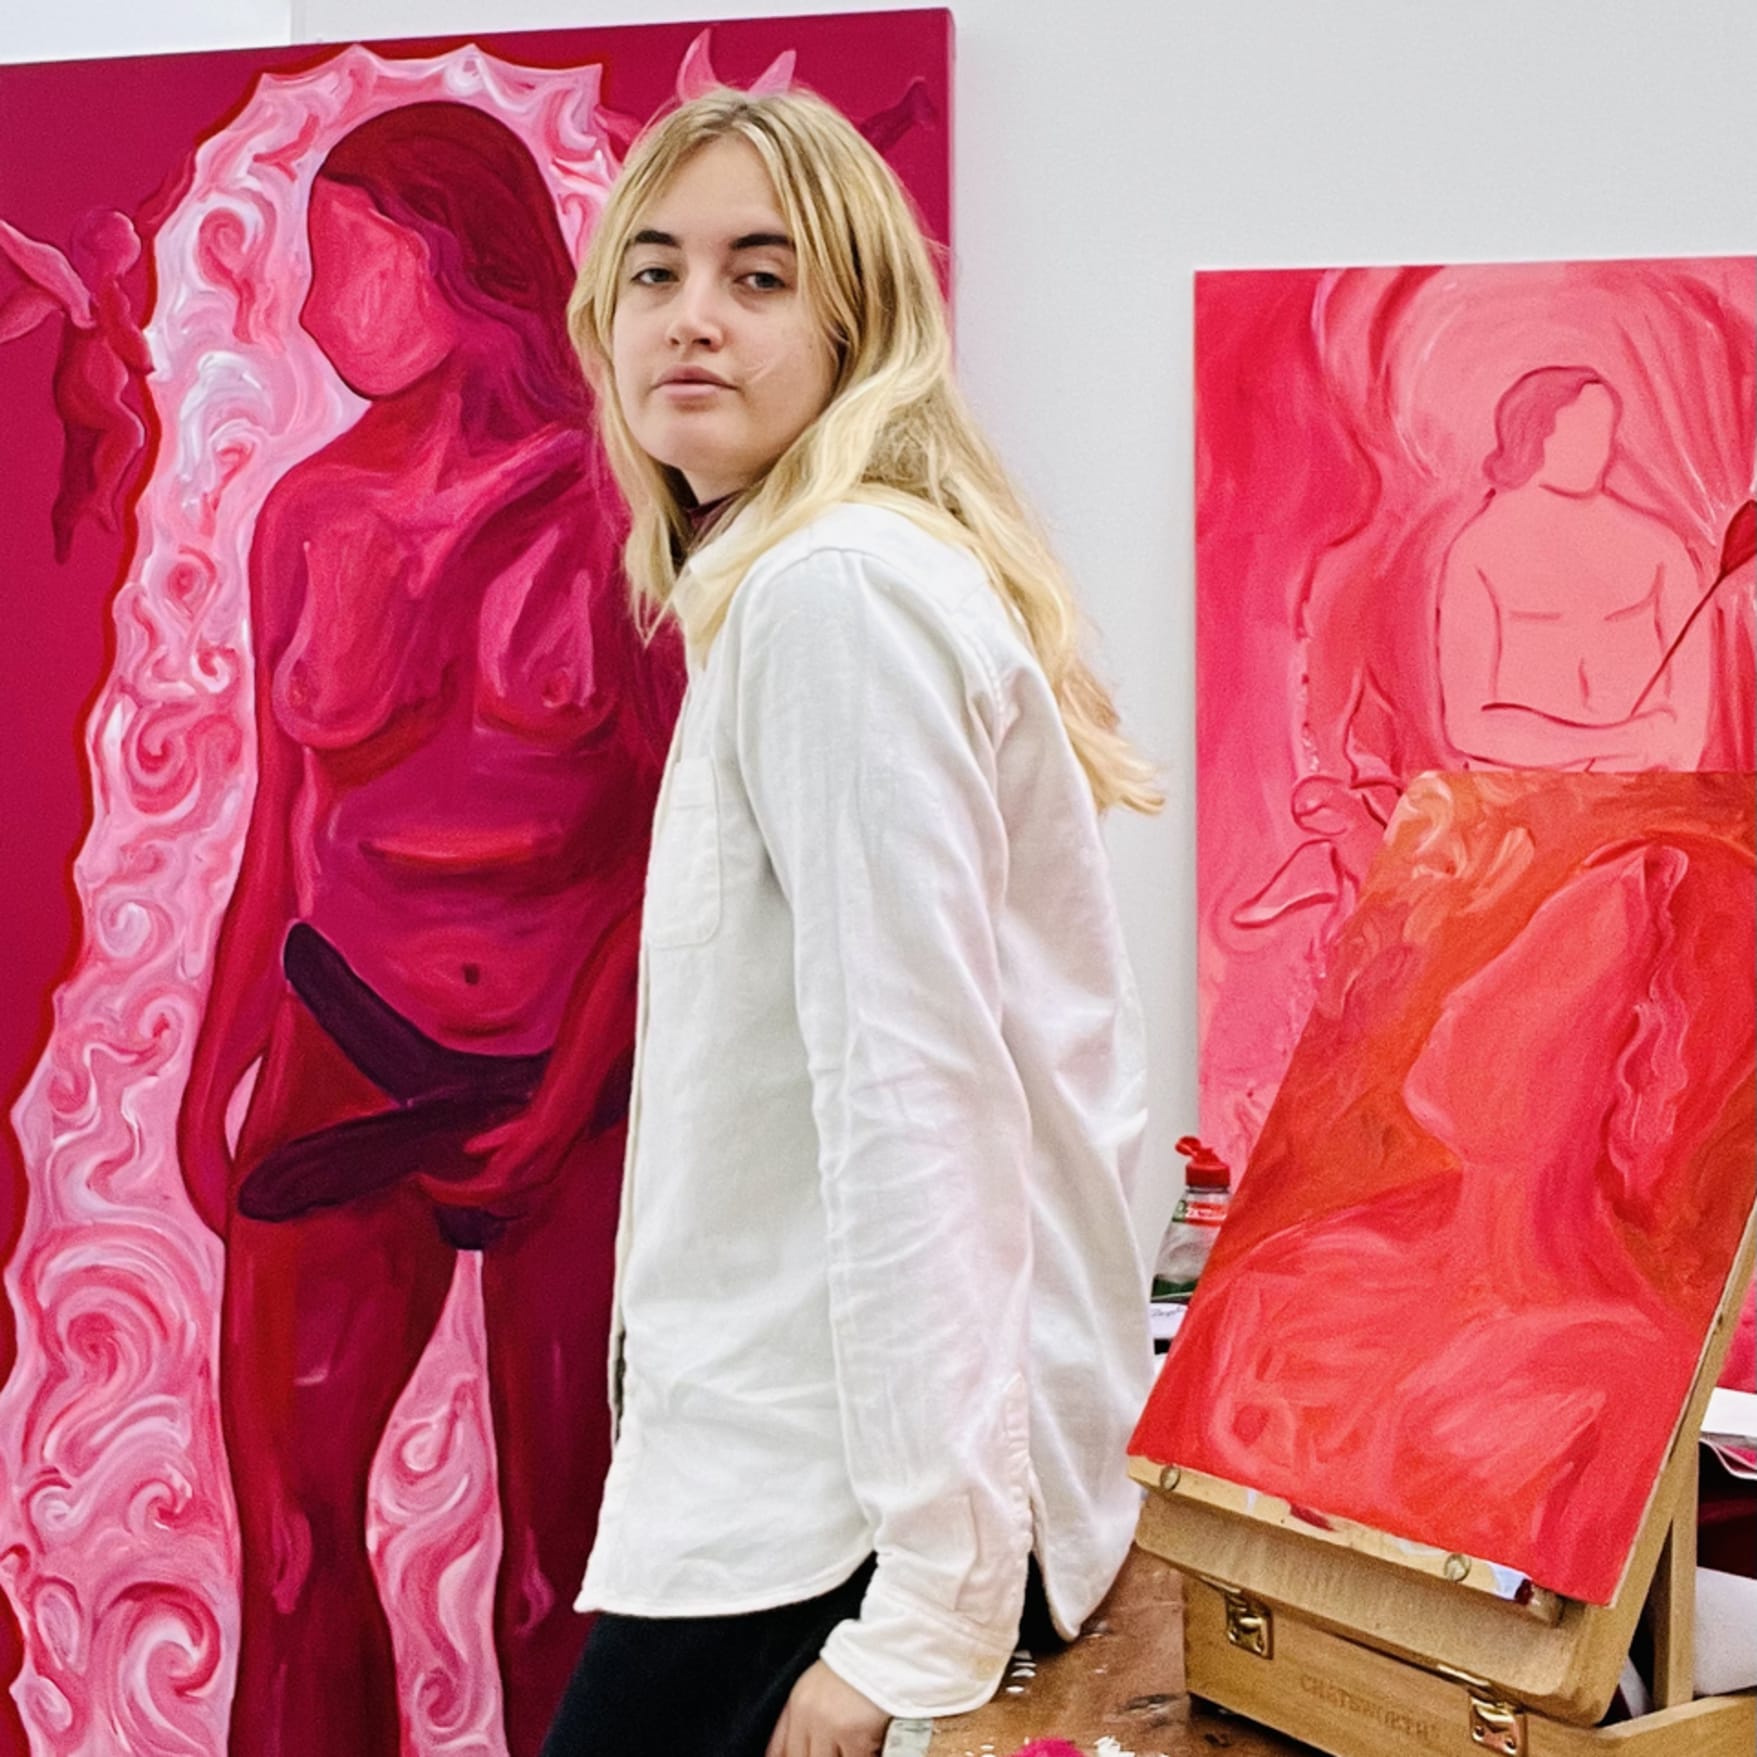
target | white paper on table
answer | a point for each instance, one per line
(908, 1738)
(1729, 1429)
(1726, 1632)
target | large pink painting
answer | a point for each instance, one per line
(1463, 1292)
(332, 751)
(1457, 518)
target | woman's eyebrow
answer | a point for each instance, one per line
(745, 241)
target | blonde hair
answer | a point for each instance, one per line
(894, 433)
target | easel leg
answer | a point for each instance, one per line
(1672, 1606)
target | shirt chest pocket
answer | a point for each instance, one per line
(683, 877)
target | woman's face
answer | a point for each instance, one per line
(1578, 450)
(719, 362)
(373, 307)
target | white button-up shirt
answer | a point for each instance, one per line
(877, 1288)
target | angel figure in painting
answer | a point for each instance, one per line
(1559, 601)
(103, 354)
(431, 945)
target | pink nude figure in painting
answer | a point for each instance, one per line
(1560, 600)
(431, 946)
(102, 354)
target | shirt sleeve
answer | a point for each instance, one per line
(866, 731)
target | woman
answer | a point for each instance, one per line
(881, 1327)
(1559, 601)
(431, 945)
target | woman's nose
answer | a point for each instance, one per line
(696, 314)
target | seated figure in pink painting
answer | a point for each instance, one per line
(431, 948)
(1560, 601)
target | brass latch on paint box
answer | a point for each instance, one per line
(1496, 1726)
(1249, 1625)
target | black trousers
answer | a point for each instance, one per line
(714, 1686)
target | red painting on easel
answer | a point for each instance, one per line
(1463, 1293)
(332, 754)
(1459, 517)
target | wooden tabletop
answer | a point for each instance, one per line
(1124, 1680)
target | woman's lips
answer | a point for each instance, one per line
(686, 377)
(691, 390)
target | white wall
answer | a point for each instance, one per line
(1106, 150)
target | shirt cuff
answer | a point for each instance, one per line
(917, 1661)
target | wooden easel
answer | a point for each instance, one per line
(1363, 1655)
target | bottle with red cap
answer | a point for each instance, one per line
(1195, 1222)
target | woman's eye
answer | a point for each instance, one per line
(762, 280)
(653, 275)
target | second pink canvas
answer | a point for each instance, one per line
(1494, 516)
